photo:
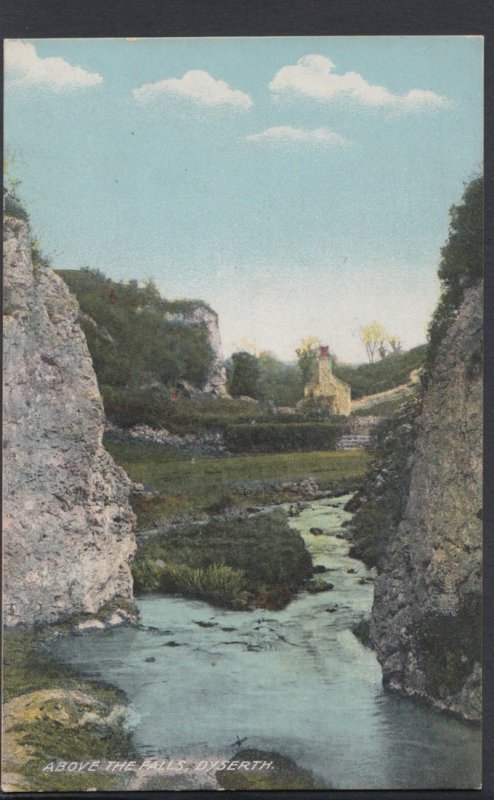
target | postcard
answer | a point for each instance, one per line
(242, 413)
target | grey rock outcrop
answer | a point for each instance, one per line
(68, 526)
(425, 623)
(203, 316)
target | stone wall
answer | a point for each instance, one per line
(68, 526)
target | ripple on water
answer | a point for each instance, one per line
(295, 681)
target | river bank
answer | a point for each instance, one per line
(295, 681)
(171, 486)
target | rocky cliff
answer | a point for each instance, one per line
(203, 316)
(425, 623)
(68, 526)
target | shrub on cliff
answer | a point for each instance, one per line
(12, 205)
(130, 338)
(461, 264)
(382, 500)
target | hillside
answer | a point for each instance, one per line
(130, 338)
(392, 371)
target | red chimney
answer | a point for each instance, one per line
(324, 351)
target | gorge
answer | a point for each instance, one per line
(69, 544)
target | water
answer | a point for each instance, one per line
(295, 681)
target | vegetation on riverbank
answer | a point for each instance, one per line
(380, 502)
(230, 563)
(52, 714)
(283, 774)
(185, 485)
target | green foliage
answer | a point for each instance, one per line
(228, 562)
(132, 342)
(279, 437)
(391, 371)
(135, 406)
(220, 585)
(381, 501)
(361, 629)
(26, 668)
(244, 379)
(449, 645)
(279, 384)
(461, 264)
(12, 205)
(307, 354)
(284, 774)
(38, 258)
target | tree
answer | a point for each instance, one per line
(374, 337)
(245, 375)
(395, 344)
(461, 264)
(307, 354)
(279, 383)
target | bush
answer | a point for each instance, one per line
(361, 630)
(278, 437)
(219, 584)
(127, 407)
(223, 559)
(12, 205)
(461, 264)
(244, 378)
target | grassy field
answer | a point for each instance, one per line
(185, 485)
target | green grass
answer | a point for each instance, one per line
(186, 486)
(231, 563)
(284, 774)
(218, 584)
(384, 374)
(26, 669)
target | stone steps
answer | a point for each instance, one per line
(352, 441)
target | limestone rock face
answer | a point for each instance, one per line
(425, 622)
(68, 526)
(205, 317)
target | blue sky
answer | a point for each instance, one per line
(300, 185)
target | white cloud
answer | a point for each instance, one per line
(25, 68)
(196, 86)
(313, 76)
(286, 134)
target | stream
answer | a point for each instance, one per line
(294, 681)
